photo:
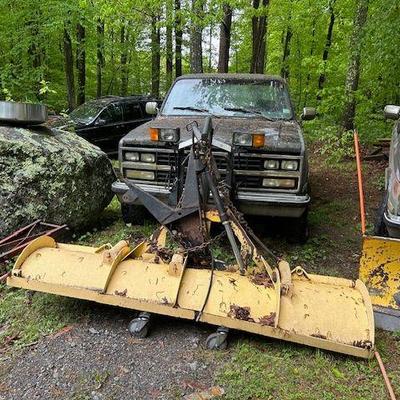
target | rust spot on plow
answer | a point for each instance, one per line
(242, 313)
(123, 293)
(364, 344)
(318, 335)
(262, 279)
(268, 320)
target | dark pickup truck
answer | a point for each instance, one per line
(258, 145)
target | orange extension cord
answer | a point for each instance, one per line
(362, 215)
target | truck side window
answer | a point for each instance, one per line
(132, 111)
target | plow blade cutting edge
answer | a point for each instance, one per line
(325, 312)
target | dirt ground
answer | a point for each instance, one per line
(95, 358)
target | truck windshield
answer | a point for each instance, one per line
(86, 113)
(229, 97)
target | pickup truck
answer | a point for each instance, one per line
(258, 146)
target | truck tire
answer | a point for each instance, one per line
(299, 232)
(135, 215)
(380, 226)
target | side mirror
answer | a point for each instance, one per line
(151, 108)
(392, 111)
(309, 113)
(100, 121)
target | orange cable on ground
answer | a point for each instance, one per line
(360, 183)
(385, 377)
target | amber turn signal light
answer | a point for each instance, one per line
(258, 140)
(153, 134)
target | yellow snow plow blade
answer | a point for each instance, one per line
(329, 313)
(380, 271)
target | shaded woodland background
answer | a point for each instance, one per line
(341, 56)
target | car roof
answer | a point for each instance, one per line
(250, 77)
(106, 100)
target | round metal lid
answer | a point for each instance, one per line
(22, 113)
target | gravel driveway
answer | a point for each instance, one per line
(98, 359)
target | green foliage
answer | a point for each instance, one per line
(32, 60)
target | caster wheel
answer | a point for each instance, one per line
(139, 327)
(217, 341)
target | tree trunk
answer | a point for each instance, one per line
(178, 39)
(312, 48)
(225, 39)
(124, 61)
(168, 47)
(196, 38)
(80, 63)
(353, 71)
(328, 43)
(100, 57)
(286, 53)
(69, 69)
(155, 56)
(259, 30)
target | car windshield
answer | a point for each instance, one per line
(86, 113)
(229, 97)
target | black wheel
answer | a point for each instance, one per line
(217, 341)
(380, 228)
(135, 215)
(139, 328)
(298, 232)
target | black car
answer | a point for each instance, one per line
(106, 120)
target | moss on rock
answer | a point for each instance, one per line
(51, 175)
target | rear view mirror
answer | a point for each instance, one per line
(309, 113)
(151, 108)
(392, 111)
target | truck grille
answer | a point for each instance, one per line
(248, 163)
(165, 159)
(245, 170)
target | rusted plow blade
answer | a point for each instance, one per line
(380, 270)
(325, 312)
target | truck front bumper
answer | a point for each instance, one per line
(251, 203)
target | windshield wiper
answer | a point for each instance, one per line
(191, 109)
(246, 111)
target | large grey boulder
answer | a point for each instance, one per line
(51, 175)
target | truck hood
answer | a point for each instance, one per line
(281, 136)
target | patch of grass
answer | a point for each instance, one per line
(334, 212)
(309, 254)
(27, 316)
(92, 381)
(277, 370)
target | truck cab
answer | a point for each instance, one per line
(258, 145)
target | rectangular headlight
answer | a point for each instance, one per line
(242, 139)
(130, 156)
(290, 165)
(168, 135)
(279, 183)
(271, 164)
(144, 175)
(147, 157)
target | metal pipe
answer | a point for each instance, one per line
(360, 182)
(225, 221)
(385, 377)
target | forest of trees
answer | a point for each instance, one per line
(341, 56)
